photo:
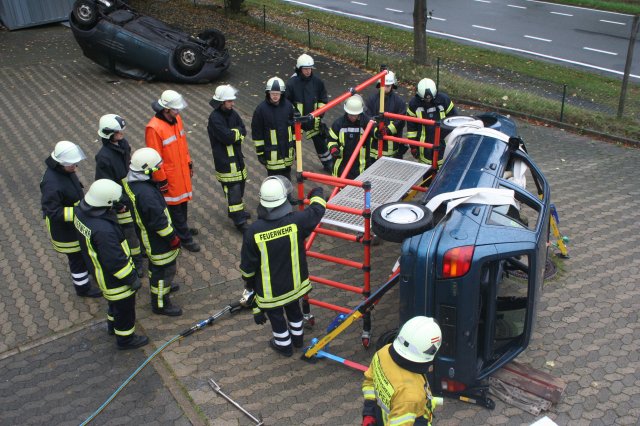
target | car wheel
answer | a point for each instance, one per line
(85, 13)
(189, 58)
(213, 38)
(399, 220)
(450, 123)
(386, 338)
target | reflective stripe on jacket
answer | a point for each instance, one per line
(105, 248)
(226, 133)
(345, 135)
(392, 103)
(403, 397)
(112, 162)
(170, 140)
(272, 133)
(153, 220)
(273, 255)
(60, 191)
(438, 109)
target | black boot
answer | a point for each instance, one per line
(282, 350)
(134, 341)
(298, 341)
(168, 308)
(191, 246)
(88, 290)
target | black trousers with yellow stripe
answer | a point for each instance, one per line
(122, 318)
(160, 279)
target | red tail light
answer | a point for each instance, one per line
(449, 385)
(457, 262)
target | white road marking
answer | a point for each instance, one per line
(483, 28)
(392, 10)
(537, 38)
(472, 40)
(579, 7)
(437, 19)
(482, 1)
(517, 7)
(559, 13)
(612, 22)
(357, 2)
(601, 51)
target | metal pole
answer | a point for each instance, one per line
(438, 72)
(366, 61)
(627, 66)
(309, 31)
(264, 18)
(217, 389)
(564, 97)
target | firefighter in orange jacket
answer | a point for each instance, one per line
(395, 388)
(165, 133)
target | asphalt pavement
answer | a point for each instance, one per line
(58, 365)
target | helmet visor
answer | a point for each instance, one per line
(69, 156)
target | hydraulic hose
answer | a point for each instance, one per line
(233, 307)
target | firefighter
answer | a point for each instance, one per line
(161, 241)
(61, 190)
(430, 104)
(272, 130)
(273, 261)
(105, 247)
(112, 162)
(226, 133)
(344, 135)
(165, 133)
(307, 93)
(392, 103)
(395, 387)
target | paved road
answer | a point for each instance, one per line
(57, 364)
(590, 39)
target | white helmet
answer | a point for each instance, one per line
(418, 340)
(274, 191)
(171, 99)
(225, 92)
(145, 160)
(275, 84)
(354, 105)
(67, 153)
(390, 79)
(109, 124)
(103, 193)
(426, 86)
(304, 61)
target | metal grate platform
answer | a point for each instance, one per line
(390, 180)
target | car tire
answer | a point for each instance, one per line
(385, 338)
(399, 220)
(189, 58)
(448, 124)
(214, 38)
(85, 13)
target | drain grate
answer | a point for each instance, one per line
(390, 179)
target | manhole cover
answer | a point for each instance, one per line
(550, 271)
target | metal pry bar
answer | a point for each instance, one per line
(217, 389)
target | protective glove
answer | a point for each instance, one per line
(259, 318)
(414, 152)
(335, 152)
(190, 168)
(368, 421)
(175, 242)
(163, 186)
(135, 285)
(315, 192)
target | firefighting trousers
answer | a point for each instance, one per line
(79, 272)
(234, 191)
(179, 216)
(289, 329)
(121, 318)
(160, 279)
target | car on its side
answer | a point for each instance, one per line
(133, 45)
(475, 262)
